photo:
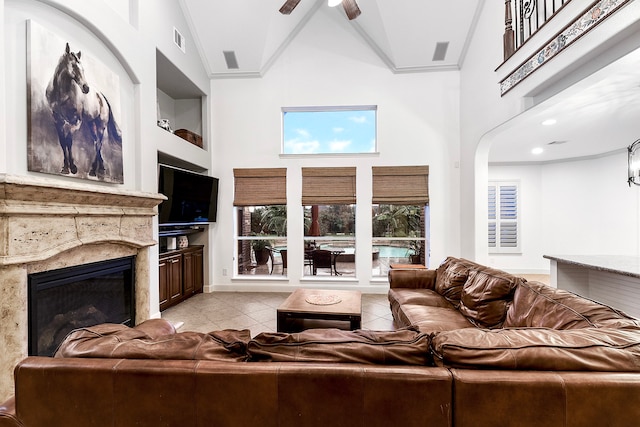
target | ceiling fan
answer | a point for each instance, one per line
(350, 7)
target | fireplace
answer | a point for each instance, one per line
(69, 298)
(50, 225)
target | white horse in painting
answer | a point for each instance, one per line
(74, 103)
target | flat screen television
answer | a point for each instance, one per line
(192, 198)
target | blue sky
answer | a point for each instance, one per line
(314, 132)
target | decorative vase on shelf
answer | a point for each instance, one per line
(183, 242)
(171, 243)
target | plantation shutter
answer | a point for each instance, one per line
(260, 187)
(503, 235)
(401, 185)
(492, 216)
(508, 216)
(328, 186)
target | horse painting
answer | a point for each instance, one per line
(76, 105)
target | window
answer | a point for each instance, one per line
(400, 216)
(260, 198)
(328, 200)
(503, 231)
(329, 240)
(398, 236)
(329, 130)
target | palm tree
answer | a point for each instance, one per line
(273, 220)
(398, 220)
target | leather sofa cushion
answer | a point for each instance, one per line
(401, 347)
(418, 296)
(412, 278)
(543, 307)
(487, 295)
(538, 305)
(412, 296)
(450, 278)
(587, 349)
(154, 328)
(429, 319)
(119, 341)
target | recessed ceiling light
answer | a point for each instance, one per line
(537, 150)
(549, 122)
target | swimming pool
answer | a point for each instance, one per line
(379, 251)
(393, 251)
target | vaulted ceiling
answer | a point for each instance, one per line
(408, 35)
(594, 117)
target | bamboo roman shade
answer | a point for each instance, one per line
(259, 187)
(328, 186)
(401, 185)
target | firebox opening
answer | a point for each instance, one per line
(65, 299)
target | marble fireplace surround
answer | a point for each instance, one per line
(47, 224)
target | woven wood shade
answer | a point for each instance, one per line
(328, 186)
(401, 185)
(259, 187)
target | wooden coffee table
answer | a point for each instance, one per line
(323, 305)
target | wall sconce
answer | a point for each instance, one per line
(634, 163)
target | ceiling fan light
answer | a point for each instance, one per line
(334, 3)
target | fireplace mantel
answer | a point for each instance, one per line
(50, 223)
(40, 218)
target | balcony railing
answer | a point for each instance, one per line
(529, 16)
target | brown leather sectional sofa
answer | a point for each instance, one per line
(474, 346)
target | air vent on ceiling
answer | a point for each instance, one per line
(230, 59)
(441, 51)
(178, 39)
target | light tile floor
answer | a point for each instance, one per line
(256, 311)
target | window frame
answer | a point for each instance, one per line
(499, 221)
(329, 109)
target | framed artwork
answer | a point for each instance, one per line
(74, 110)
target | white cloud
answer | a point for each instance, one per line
(338, 130)
(358, 119)
(303, 133)
(297, 146)
(339, 146)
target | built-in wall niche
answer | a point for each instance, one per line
(179, 100)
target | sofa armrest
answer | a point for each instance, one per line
(412, 278)
(8, 416)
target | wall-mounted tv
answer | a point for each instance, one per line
(192, 198)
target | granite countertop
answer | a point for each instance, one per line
(621, 264)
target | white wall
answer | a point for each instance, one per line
(326, 66)
(580, 207)
(590, 208)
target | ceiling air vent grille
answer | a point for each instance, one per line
(178, 39)
(230, 59)
(441, 51)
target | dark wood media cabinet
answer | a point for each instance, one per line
(181, 275)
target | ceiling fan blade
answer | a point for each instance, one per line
(288, 6)
(352, 9)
